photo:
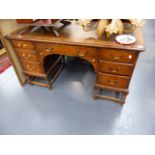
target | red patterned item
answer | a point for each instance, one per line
(5, 63)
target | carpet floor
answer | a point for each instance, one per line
(5, 63)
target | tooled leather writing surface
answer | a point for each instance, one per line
(74, 34)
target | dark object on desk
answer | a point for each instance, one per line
(114, 63)
(45, 24)
(38, 21)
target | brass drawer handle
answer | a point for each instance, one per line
(29, 67)
(21, 44)
(82, 54)
(41, 53)
(49, 49)
(93, 60)
(113, 82)
(29, 56)
(23, 54)
(114, 70)
(117, 57)
(26, 57)
(24, 45)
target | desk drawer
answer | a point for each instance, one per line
(113, 80)
(69, 50)
(116, 68)
(24, 54)
(118, 55)
(23, 44)
(33, 68)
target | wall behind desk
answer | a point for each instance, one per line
(8, 26)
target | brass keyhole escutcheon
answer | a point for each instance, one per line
(28, 66)
(29, 56)
(23, 54)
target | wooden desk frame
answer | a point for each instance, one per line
(113, 63)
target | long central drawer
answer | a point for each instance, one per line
(69, 50)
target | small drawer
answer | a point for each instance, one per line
(23, 44)
(113, 80)
(24, 54)
(118, 55)
(115, 68)
(33, 68)
(69, 50)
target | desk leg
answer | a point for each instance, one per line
(120, 94)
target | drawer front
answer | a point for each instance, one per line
(34, 68)
(27, 55)
(23, 44)
(115, 68)
(113, 80)
(67, 49)
(118, 55)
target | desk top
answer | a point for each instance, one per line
(73, 34)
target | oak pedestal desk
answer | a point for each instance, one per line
(113, 63)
